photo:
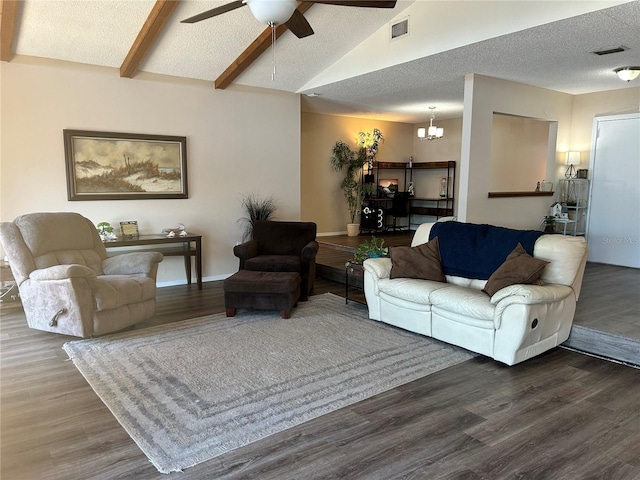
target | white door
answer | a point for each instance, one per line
(613, 232)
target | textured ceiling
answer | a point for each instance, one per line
(350, 61)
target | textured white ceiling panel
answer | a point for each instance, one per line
(205, 49)
(95, 32)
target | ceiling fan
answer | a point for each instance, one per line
(278, 12)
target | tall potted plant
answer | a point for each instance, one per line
(344, 159)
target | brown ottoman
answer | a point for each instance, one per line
(262, 291)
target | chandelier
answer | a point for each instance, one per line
(433, 132)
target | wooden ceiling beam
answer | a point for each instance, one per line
(8, 12)
(253, 51)
(154, 24)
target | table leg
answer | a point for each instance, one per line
(199, 263)
(187, 267)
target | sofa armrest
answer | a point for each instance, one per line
(310, 251)
(527, 295)
(61, 272)
(378, 267)
(132, 263)
(246, 250)
(531, 294)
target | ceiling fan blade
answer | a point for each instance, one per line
(299, 25)
(358, 3)
(215, 11)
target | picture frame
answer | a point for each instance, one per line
(124, 166)
(129, 229)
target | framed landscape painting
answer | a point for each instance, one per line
(124, 166)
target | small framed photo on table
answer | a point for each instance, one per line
(129, 229)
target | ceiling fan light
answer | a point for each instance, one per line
(274, 12)
(628, 73)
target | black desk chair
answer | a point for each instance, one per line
(399, 209)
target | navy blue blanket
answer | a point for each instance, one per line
(476, 251)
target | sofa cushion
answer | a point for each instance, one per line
(421, 262)
(113, 291)
(410, 289)
(518, 268)
(273, 263)
(467, 302)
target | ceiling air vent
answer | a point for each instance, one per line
(609, 51)
(399, 29)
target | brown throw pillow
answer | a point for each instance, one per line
(519, 267)
(421, 262)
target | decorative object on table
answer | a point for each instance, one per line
(212, 394)
(255, 209)
(118, 166)
(571, 159)
(556, 210)
(443, 187)
(546, 186)
(388, 186)
(411, 189)
(582, 173)
(433, 132)
(173, 231)
(351, 162)
(129, 229)
(373, 248)
(105, 231)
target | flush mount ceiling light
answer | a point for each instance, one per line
(433, 132)
(628, 73)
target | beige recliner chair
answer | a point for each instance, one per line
(66, 281)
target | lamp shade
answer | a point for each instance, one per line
(274, 12)
(422, 132)
(628, 73)
(572, 158)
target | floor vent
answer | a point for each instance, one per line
(609, 51)
(399, 29)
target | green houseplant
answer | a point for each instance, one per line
(351, 162)
(105, 231)
(373, 248)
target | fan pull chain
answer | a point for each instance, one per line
(273, 50)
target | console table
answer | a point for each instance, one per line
(167, 246)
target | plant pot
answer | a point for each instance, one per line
(353, 229)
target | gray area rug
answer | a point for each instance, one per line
(189, 391)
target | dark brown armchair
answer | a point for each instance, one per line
(282, 247)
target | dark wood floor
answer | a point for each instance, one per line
(562, 415)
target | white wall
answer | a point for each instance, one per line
(483, 97)
(239, 140)
(518, 153)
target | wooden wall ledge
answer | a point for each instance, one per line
(519, 194)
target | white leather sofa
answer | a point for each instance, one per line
(516, 323)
